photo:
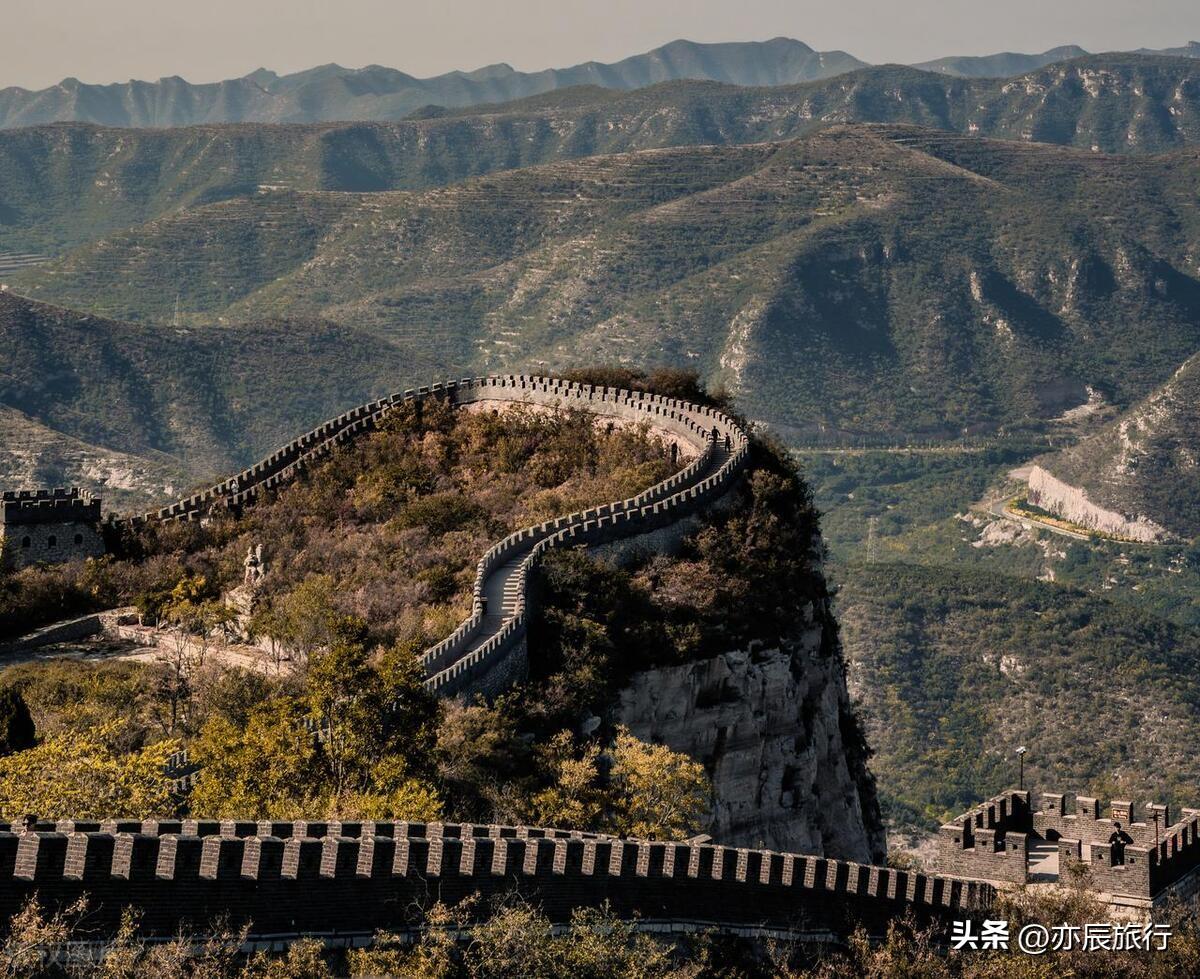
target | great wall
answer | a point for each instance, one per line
(486, 653)
(1004, 840)
(345, 880)
(350, 879)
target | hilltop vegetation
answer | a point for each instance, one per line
(885, 280)
(370, 556)
(387, 531)
(65, 185)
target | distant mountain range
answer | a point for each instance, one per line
(1004, 64)
(64, 185)
(333, 93)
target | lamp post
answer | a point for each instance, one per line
(1021, 756)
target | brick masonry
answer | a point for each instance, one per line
(50, 526)
(990, 842)
(287, 877)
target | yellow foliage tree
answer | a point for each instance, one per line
(80, 774)
(657, 793)
(264, 770)
(574, 799)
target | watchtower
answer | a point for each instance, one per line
(49, 526)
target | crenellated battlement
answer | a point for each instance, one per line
(49, 525)
(25, 507)
(989, 841)
(993, 842)
(291, 876)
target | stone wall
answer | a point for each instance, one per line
(49, 526)
(1149, 868)
(357, 877)
(989, 842)
(1086, 819)
(66, 631)
(1071, 503)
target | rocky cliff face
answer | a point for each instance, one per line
(775, 728)
(1072, 503)
(1144, 466)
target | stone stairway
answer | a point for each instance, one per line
(503, 590)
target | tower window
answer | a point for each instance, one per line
(51, 541)
(79, 538)
(26, 542)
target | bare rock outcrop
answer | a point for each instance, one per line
(776, 731)
(1072, 503)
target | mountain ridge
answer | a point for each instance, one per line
(332, 92)
(964, 284)
(374, 92)
(64, 184)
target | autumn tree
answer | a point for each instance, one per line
(354, 742)
(262, 769)
(82, 774)
(370, 714)
(194, 614)
(306, 619)
(574, 798)
(648, 790)
(657, 793)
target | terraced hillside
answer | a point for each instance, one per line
(64, 185)
(884, 280)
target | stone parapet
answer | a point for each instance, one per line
(288, 877)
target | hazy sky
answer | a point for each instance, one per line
(43, 41)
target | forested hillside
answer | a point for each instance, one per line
(955, 669)
(866, 280)
(196, 403)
